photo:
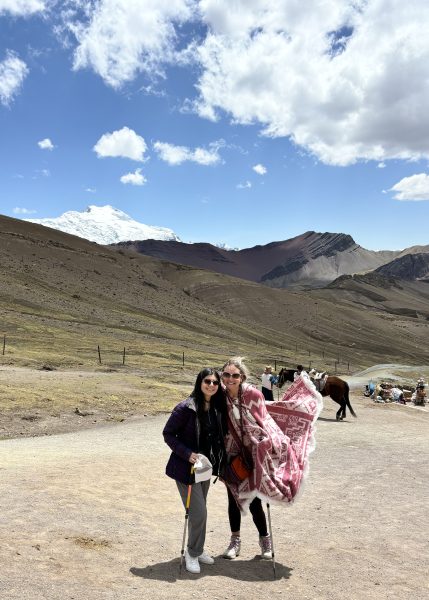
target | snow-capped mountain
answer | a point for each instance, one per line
(106, 225)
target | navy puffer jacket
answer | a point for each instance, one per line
(181, 433)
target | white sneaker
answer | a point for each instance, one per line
(192, 564)
(266, 547)
(233, 549)
(206, 559)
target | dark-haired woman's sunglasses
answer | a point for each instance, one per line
(211, 382)
(233, 375)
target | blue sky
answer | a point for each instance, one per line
(231, 121)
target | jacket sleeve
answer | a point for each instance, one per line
(176, 423)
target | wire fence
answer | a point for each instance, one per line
(134, 355)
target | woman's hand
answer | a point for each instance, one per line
(193, 458)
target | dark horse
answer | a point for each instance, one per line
(336, 388)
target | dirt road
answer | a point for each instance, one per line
(90, 515)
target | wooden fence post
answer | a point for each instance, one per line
(123, 357)
(183, 359)
(99, 354)
(4, 344)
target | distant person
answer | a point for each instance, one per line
(397, 395)
(267, 383)
(300, 372)
(419, 395)
(196, 426)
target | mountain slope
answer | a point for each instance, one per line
(62, 296)
(409, 267)
(105, 225)
(308, 260)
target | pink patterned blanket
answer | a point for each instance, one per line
(280, 436)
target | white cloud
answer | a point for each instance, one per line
(124, 143)
(381, 165)
(123, 37)
(338, 78)
(176, 155)
(414, 188)
(21, 7)
(90, 190)
(244, 186)
(23, 211)
(135, 178)
(46, 144)
(41, 173)
(260, 169)
(13, 71)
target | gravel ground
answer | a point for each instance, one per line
(91, 515)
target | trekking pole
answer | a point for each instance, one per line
(272, 541)
(188, 502)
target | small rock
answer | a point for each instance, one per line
(82, 413)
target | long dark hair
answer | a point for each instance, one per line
(218, 399)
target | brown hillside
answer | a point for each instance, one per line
(62, 296)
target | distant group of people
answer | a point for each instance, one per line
(385, 392)
(225, 419)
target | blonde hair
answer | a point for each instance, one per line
(237, 362)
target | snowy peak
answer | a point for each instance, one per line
(105, 225)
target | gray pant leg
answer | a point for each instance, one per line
(197, 520)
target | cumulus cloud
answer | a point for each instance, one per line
(338, 78)
(45, 144)
(244, 186)
(135, 178)
(118, 38)
(414, 188)
(23, 211)
(90, 190)
(176, 155)
(21, 7)
(260, 169)
(13, 71)
(124, 143)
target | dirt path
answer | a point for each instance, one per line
(90, 515)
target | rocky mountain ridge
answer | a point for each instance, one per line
(306, 261)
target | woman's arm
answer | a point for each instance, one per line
(176, 423)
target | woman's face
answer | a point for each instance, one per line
(209, 385)
(232, 378)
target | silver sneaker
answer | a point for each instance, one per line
(233, 549)
(191, 563)
(266, 547)
(206, 559)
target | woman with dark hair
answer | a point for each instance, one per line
(197, 427)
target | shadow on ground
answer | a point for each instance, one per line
(346, 420)
(255, 569)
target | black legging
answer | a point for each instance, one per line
(256, 510)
